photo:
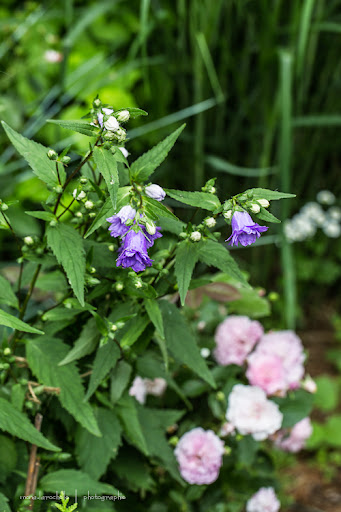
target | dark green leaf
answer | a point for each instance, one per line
(77, 126)
(270, 195)
(7, 295)
(48, 216)
(216, 255)
(85, 344)
(14, 322)
(294, 407)
(74, 482)
(186, 256)
(154, 313)
(42, 356)
(94, 453)
(17, 424)
(144, 166)
(36, 156)
(198, 199)
(67, 246)
(126, 409)
(155, 209)
(106, 358)
(181, 342)
(267, 216)
(120, 377)
(107, 166)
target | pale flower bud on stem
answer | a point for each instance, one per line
(28, 240)
(123, 116)
(195, 236)
(255, 208)
(52, 154)
(263, 202)
(111, 124)
(89, 205)
(210, 222)
(228, 214)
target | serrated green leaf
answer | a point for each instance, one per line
(107, 166)
(7, 295)
(144, 166)
(134, 112)
(106, 358)
(154, 313)
(14, 322)
(270, 195)
(133, 330)
(172, 225)
(186, 256)
(107, 209)
(216, 255)
(181, 342)
(155, 209)
(48, 216)
(67, 246)
(136, 473)
(85, 344)
(4, 507)
(93, 453)
(17, 424)
(267, 216)
(42, 356)
(120, 377)
(154, 423)
(73, 482)
(8, 458)
(36, 156)
(126, 409)
(295, 406)
(198, 199)
(77, 126)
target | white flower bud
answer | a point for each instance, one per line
(97, 103)
(111, 124)
(123, 116)
(52, 154)
(195, 236)
(111, 248)
(114, 327)
(150, 227)
(7, 351)
(263, 202)
(3, 207)
(138, 284)
(120, 135)
(92, 270)
(89, 205)
(109, 136)
(211, 190)
(119, 287)
(228, 214)
(81, 195)
(309, 384)
(79, 215)
(74, 193)
(255, 208)
(92, 215)
(205, 352)
(84, 180)
(210, 222)
(28, 240)
(124, 152)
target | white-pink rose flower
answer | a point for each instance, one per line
(294, 440)
(267, 372)
(138, 390)
(264, 500)
(288, 347)
(235, 337)
(199, 453)
(250, 412)
(156, 386)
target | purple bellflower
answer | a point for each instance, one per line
(244, 230)
(118, 222)
(151, 238)
(133, 252)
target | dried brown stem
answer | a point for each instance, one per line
(33, 465)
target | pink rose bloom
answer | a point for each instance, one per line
(266, 371)
(265, 500)
(235, 337)
(199, 454)
(226, 429)
(288, 347)
(138, 390)
(156, 386)
(294, 440)
(250, 412)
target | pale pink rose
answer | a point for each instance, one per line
(226, 429)
(156, 386)
(138, 390)
(199, 454)
(250, 412)
(266, 371)
(235, 337)
(53, 56)
(294, 440)
(265, 500)
(288, 347)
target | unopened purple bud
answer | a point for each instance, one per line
(155, 192)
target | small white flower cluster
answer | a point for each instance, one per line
(312, 216)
